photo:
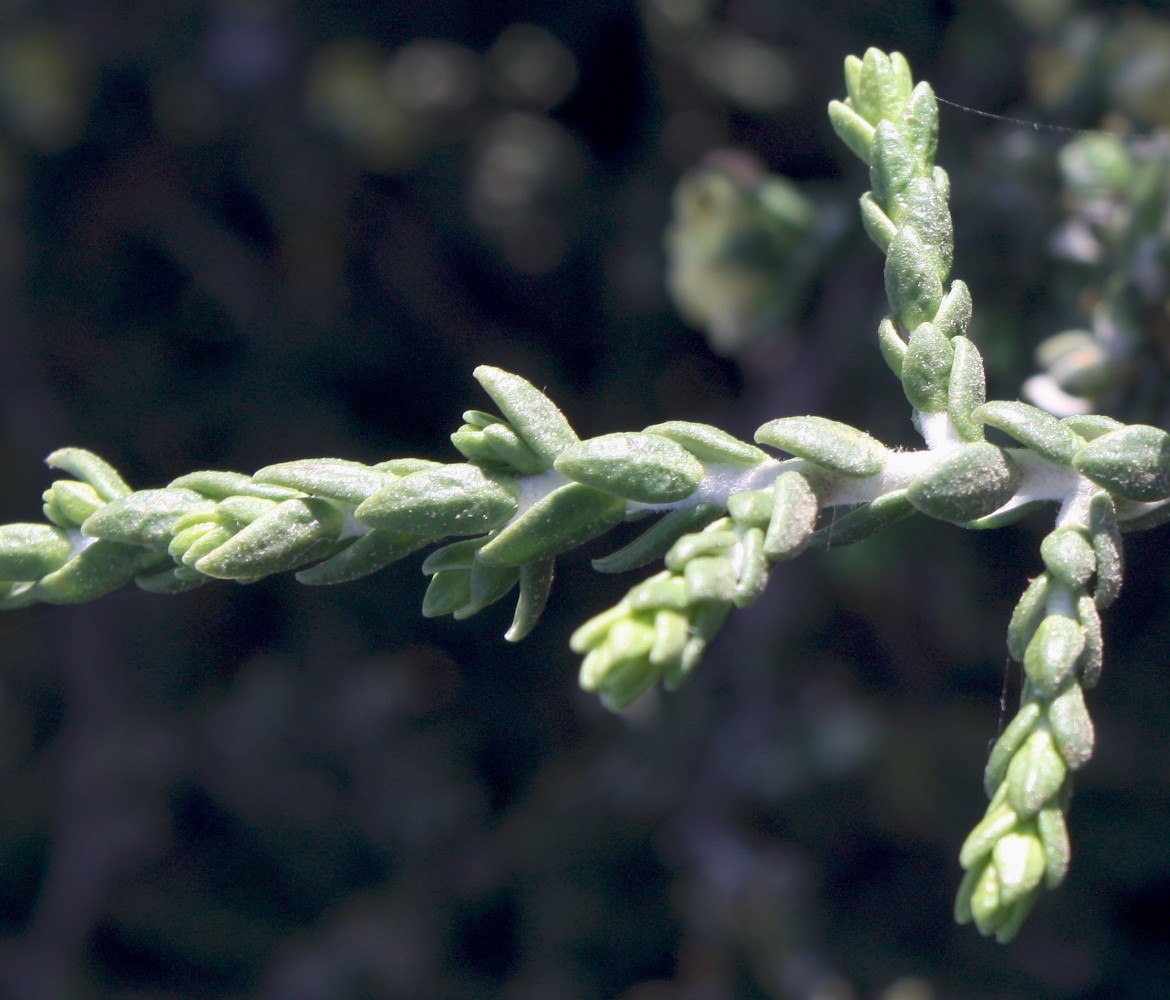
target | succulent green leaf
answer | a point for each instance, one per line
(187, 530)
(709, 444)
(364, 555)
(488, 585)
(98, 569)
(630, 642)
(631, 639)
(1106, 539)
(1009, 515)
(706, 620)
(1069, 557)
(1091, 425)
(470, 443)
(913, 282)
(1036, 775)
(926, 211)
(1033, 428)
(598, 661)
(717, 540)
(997, 823)
(448, 591)
(290, 535)
(671, 633)
(450, 500)
(955, 311)
(655, 541)
(971, 881)
(591, 634)
(926, 369)
(408, 466)
(643, 467)
(1020, 863)
(884, 85)
(332, 478)
(751, 508)
(892, 346)
(921, 122)
(68, 503)
(1072, 729)
(1051, 656)
(1057, 852)
(677, 671)
(29, 551)
(87, 467)
(1092, 658)
(826, 443)
(531, 413)
(1029, 612)
(194, 542)
(663, 590)
(793, 519)
(491, 441)
(1014, 917)
(536, 580)
(240, 509)
(455, 555)
(1010, 741)
(988, 914)
(559, 521)
(878, 226)
(966, 389)
(479, 419)
(862, 522)
(966, 483)
(963, 914)
(509, 449)
(625, 684)
(752, 569)
(893, 165)
(146, 518)
(710, 578)
(853, 70)
(221, 485)
(853, 130)
(1132, 462)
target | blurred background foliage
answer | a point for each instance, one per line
(234, 233)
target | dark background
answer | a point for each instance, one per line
(227, 241)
